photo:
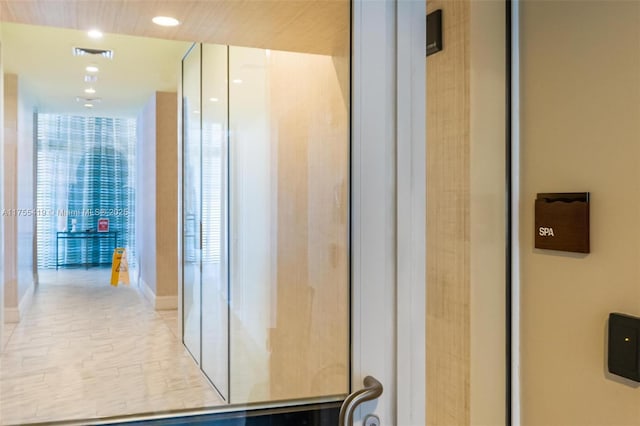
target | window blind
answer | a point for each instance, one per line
(212, 184)
(84, 171)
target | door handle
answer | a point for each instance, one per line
(372, 390)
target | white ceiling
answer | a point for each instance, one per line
(42, 58)
(41, 55)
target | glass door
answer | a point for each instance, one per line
(302, 284)
(192, 203)
(288, 274)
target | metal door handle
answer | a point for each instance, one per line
(372, 390)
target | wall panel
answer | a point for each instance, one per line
(580, 127)
(448, 221)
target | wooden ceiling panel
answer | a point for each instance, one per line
(314, 26)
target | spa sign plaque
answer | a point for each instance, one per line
(562, 221)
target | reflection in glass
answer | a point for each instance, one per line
(289, 254)
(270, 144)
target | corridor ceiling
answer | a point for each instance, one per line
(313, 26)
(40, 52)
(51, 77)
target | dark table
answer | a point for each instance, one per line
(86, 237)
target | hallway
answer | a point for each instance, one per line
(85, 349)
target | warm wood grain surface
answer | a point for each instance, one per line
(310, 135)
(448, 233)
(318, 26)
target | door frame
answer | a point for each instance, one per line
(389, 206)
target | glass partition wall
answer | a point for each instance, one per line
(265, 221)
(192, 205)
(215, 285)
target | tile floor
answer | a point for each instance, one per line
(85, 349)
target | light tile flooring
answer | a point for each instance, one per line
(85, 349)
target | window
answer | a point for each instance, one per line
(85, 171)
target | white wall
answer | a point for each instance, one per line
(146, 194)
(580, 131)
(26, 225)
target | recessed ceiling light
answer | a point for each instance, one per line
(237, 81)
(165, 21)
(90, 90)
(94, 33)
(92, 68)
(213, 99)
(90, 78)
(88, 105)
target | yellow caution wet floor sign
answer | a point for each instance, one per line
(119, 267)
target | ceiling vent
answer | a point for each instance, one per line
(85, 51)
(90, 100)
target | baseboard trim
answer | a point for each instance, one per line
(146, 291)
(27, 299)
(166, 303)
(159, 303)
(13, 315)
